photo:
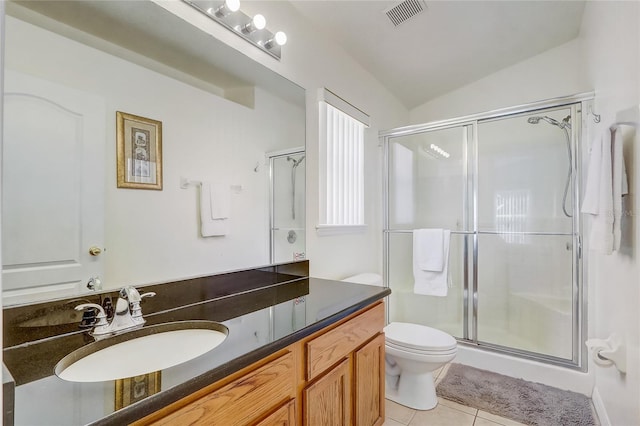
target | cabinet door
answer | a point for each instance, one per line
(283, 416)
(369, 383)
(327, 402)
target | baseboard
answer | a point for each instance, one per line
(601, 411)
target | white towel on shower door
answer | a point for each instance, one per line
(432, 283)
(428, 246)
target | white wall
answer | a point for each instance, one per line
(312, 61)
(611, 35)
(556, 72)
(153, 236)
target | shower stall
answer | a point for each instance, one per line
(506, 183)
(287, 205)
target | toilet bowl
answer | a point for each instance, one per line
(412, 353)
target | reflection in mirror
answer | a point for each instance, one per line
(287, 189)
(67, 72)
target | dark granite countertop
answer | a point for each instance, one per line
(262, 319)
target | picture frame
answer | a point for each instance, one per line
(139, 152)
(134, 389)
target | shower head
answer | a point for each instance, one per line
(296, 163)
(562, 125)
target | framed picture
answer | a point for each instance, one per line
(133, 389)
(139, 152)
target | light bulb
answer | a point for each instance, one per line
(232, 5)
(281, 38)
(259, 22)
(226, 8)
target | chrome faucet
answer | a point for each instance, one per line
(128, 313)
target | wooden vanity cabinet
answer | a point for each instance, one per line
(283, 416)
(333, 377)
(370, 381)
(328, 400)
(345, 373)
(259, 394)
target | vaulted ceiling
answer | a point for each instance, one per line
(446, 46)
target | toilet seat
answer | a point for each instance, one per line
(416, 354)
(418, 338)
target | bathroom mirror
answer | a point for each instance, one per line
(216, 117)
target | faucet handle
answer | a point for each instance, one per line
(136, 310)
(130, 293)
(101, 318)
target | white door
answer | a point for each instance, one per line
(52, 189)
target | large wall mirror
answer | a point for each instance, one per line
(220, 118)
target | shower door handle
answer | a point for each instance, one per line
(579, 242)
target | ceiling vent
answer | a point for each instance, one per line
(405, 10)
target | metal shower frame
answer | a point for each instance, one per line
(577, 103)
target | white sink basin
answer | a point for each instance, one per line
(141, 351)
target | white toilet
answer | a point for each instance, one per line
(413, 353)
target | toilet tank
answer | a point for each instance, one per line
(368, 278)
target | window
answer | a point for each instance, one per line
(341, 165)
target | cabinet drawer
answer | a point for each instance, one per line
(242, 401)
(329, 348)
(283, 416)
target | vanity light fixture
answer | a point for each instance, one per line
(253, 29)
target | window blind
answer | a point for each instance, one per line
(344, 168)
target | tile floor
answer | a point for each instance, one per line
(446, 413)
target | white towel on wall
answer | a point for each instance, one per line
(431, 283)
(606, 183)
(214, 209)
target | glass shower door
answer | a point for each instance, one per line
(429, 187)
(525, 267)
(506, 183)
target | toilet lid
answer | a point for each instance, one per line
(420, 337)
